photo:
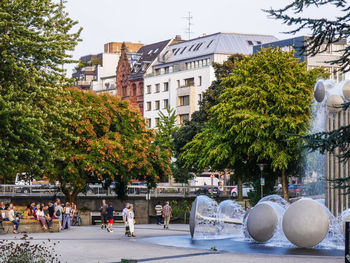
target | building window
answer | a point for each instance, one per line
(157, 88)
(189, 82)
(166, 70)
(184, 100)
(156, 106)
(157, 71)
(165, 103)
(141, 88)
(199, 97)
(149, 123)
(165, 86)
(200, 81)
(210, 43)
(134, 89)
(178, 83)
(149, 106)
(258, 42)
(157, 121)
(183, 117)
(250, 43)
(125, 91)
(149, 88)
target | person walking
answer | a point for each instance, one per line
(103, 211)
(67, 216)
(131, 221)
(124, 215)
(167, 215)
(110, 211)
(159, 213)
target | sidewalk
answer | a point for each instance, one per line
(91, 244)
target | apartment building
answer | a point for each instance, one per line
(322, 59)
(97, 72)
(185, 71)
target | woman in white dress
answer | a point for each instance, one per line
(130, 220)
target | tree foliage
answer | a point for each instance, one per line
(267, 96)
(324, 31)
(100, 138)
(35, 37)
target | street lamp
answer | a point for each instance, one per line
(262, 180)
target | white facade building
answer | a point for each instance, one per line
(185, 71)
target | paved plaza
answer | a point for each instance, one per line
(91, 244)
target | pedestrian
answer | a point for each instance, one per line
(110, 211)
(51, 210)
(12, 217)
(103, 211)
(167, 215)
(159, 213)
(59, 213)
(131, 220)
(67, 216)
(125, 221)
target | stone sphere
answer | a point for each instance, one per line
(346, 90)
(320, 91)
(305, 223)
(262, 222)
(334, 103)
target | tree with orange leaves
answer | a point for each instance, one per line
(100, 138)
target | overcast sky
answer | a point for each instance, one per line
(149, 21)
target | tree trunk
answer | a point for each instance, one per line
(240, 190)
(285, 186)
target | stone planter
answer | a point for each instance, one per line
(85, 218)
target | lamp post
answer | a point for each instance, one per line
(262, 180)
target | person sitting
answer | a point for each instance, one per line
(48, 218)
(51, 210)
(27, 214)
(41, 216)
(12, 218)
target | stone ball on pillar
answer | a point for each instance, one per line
(320, 91)
(305, 223)
(262, 222)
(334, 103)
(346, 90)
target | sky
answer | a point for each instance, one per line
(149, 21)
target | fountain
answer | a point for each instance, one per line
(274, 226)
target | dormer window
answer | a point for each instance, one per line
(250, 43)
(150, 52)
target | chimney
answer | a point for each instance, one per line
(177, 37)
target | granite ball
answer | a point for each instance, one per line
(346, 90)
(262, 222)
(320, 91)
(334, 103)
(305, 223)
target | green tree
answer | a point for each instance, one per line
(268, 95)
(324, 31)
(35, 37)
(100, 138)
(199, 118)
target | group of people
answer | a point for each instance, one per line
(163, 212)
(107, 218)
(41, 212)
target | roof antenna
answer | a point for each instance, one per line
(188, 29)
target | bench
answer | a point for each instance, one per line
(29, 226)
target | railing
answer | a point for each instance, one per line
(175, 70)
(133, 190)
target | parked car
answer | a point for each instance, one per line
(205, 191)
(142, 189)
(246, 188)
(294, 190)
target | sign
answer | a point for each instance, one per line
(262, 181)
